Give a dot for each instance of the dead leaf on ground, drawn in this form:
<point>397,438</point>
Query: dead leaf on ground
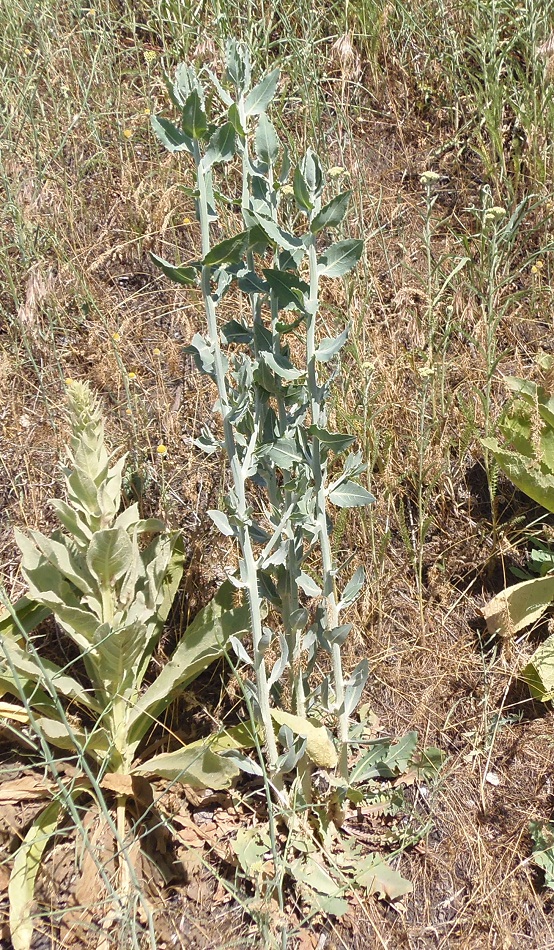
<point>307,939</point>
<point>28,788</point>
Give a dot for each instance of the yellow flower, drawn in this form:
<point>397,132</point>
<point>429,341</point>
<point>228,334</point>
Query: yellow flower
<point>147,111</point>
<point>116,337</point>
<point>128,133</point>
<point>186,221</point>
<point>132,376</point>
<point>534,269</point>
<point>162,449</point>
<point>128,412</point>
<point>150,56</point>
<point>156,351</point>
<point>69,381</point>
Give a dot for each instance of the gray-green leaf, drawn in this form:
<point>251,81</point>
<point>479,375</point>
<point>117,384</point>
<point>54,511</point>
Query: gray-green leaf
<point>181,275</point>
<point>170,136</point>
<point>332,214</point>
<point>350,495</point>
<point>261,95</point>
<point>266,141</point>
<point>340,258</point>
<point>109,556</point>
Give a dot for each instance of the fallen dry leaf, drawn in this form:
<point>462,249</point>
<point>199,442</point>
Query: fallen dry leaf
<point>117,782</point>
<point>28,788</point>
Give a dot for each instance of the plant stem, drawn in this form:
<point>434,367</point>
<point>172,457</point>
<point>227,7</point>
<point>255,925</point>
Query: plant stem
<point>238,478</point>
<point>328,570</point>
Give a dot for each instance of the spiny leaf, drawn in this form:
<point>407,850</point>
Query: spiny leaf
<point>221,147</point>
<point>181,275</point>
<point>350,495</point>
<point>266,141</point>
<point>261,95</point>
<point>329,347</point>
<point>174,139</point>
<point>525,475</point>
<point>288,289</point>
<point>195,123</point>
<point>340,258</point>
<point>332,214</point>
<point>229,251</point>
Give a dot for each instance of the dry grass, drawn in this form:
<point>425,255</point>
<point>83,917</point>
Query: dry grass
<point>88,194</point>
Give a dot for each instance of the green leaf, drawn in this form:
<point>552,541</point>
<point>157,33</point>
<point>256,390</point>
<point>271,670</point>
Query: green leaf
<point>109,556</point>
<point>287,288</point>
<point>250,846</point>
<point>204,641</point>
<point>233,116</point>
<point>280,365</point>
<point>197,766</point>
<point>221,521</point>
<point>542,833</point>
<point>187,276</point>
<point>221,147</point>
<point>235,332</point>
<point>301,191</point>
<point>350,495</point>
<point>534,396</point>
<point>195,123</point>
<point>261,95</point>
<point>332,214</point>
<point>525,474</point>
<point>519,606</point>
<point>283,452</point>
<point>308,871</point>
<point>312,173</point>
<point>97,742</point>
<point>277,235</point>
<point>266,142</point>
<point>352,590</point>
<point>30,671</point>
<point>319,745</point>
<point>21,888</point>
<point>229,251</point>
<point>25,614</point>
<point>251,283</point>
<point>539,672</point>
<point>170,136</point>
<point>172,575</point>
<point>340,258</point>
<point>237,65</point>
<point>329,347</point>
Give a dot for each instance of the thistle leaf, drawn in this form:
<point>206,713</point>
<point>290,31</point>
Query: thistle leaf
<point>340,258</point>
<point>332,214</point>
<point>261,95</point>
<point>350,495</point>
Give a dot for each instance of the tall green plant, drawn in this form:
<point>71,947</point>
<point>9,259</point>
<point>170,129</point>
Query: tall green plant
<point>273,382</point>
<point>109,578</point>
